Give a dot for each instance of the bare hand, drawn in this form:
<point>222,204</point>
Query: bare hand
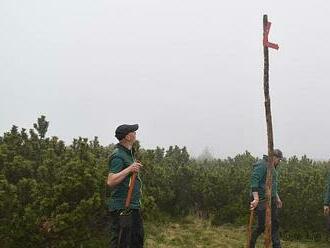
<point>254,204</point>
<point>135,167</point>
<point>279,203</point>
<point>326,210</point>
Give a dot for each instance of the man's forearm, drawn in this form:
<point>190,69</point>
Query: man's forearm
<point>255,195</point>
<point>278,197</point>
<point>116,178</point>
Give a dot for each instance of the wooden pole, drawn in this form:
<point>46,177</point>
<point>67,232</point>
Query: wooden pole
<point>130,190</point>
<point>250,228</point>
<point>270,139</point>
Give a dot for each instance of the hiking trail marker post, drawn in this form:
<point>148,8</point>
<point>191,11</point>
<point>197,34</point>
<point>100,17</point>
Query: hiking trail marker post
<point>266,45</point>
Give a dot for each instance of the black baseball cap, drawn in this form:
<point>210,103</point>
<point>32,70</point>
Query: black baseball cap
<point>125,129</point>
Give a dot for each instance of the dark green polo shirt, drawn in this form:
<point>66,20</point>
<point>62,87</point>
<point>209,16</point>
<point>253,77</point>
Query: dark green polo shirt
<point>120,159</point>
<point>258,178</point>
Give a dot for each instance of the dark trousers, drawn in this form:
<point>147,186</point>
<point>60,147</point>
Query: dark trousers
<point>261,216</point>
<point>327,222</point>
<point>132,237</point>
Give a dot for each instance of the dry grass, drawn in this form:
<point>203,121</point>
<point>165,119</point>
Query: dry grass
<point>192,232</point>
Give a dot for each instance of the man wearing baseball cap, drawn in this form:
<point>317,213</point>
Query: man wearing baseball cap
<point>121,166</point>
<point>258,203</point>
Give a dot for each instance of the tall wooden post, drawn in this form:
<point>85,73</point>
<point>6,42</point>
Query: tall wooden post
<point>266,27</point>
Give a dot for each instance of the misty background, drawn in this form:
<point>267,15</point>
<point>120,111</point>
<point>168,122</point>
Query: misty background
<point>189,72</point>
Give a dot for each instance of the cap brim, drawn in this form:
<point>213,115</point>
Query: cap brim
<point>134,127</point>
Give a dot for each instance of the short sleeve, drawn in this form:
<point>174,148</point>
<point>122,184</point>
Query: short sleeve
<point>115,165</point>
<point>257,176</point>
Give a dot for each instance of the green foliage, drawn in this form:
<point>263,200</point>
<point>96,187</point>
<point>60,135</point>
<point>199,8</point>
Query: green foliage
<point>302,184</point>
<point>53,195</point>
<point>50,194</point>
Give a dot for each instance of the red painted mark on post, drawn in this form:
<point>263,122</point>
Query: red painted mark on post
<point>266,42</point>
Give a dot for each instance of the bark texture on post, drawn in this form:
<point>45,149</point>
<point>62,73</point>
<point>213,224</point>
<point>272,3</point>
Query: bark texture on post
<point>270,141</point>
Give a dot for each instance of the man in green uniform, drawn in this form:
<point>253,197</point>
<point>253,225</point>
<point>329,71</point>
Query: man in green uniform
<point>258,203</point>
<point>121,166</point>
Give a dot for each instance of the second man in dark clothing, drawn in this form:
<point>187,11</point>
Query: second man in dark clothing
<point>258,203</point>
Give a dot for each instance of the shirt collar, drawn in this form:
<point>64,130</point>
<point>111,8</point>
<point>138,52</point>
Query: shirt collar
<point>120,146</point>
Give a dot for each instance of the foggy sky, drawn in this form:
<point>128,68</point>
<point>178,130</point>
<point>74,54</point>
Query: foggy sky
<point>189,72</point>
